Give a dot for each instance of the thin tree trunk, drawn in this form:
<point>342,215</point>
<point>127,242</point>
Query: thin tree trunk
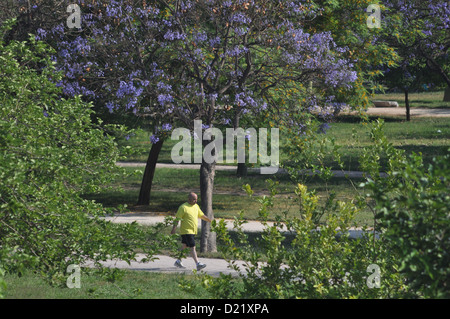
<point>241,170</point>
<point>150,167</point>
<point>241,167</point>
<point>408,109</point>
<point>447,94</point>
<point>207,174</point>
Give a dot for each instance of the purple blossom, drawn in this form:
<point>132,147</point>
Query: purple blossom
<point>163,99</point>
<point>110,106</point>
<point>171,35</point>
<point>164,87</point>
<point>154,139</point>
<point>323,128</point>
<point>214,42</point>
<point>40,34</point>
<point>240,18</point>
<point>226,121</point>
<point>200,37</point>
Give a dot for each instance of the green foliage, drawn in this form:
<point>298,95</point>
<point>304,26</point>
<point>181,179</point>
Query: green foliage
<point>298,257</point>
<point>295,258</point>
<point>413,206</point>
<point>2,283</point>
<point>50,154</point>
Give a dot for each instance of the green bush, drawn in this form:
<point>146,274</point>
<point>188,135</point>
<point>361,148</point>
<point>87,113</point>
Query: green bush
<point>414,212</point>
<point>301,258</point>
<point>50,154</point>
<point>413,208</point>
<point>296,258</point>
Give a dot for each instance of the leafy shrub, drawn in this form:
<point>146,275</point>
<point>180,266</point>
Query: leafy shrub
<point>413,207</point>
<point>50,154</point>
<point>295,258</point>
<point>300,258</point>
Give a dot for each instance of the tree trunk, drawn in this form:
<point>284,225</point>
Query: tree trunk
<point>150,167</point>
<point>241,167</point>
<point>207,174</point>
<point>408,109</point>
<point>447,94</point>
<point>241,170</point>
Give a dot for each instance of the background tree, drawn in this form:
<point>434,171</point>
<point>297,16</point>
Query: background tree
<point>419,30</point>
<point>184,60</point>
<point>348,23</point>
<point>103,61</point>
<point>230,54</point>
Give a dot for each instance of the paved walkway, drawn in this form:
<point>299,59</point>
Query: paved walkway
<point>401,111</point>
<point>336,173</point>
<point>165,264</point>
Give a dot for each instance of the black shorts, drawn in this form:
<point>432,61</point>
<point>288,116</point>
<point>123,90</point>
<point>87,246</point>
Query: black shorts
<point>188,240</point>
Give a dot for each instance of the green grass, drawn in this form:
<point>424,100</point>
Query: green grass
<point>134,285</point>
<point>171,186</point>
<point>430,136</point>
<point>419,100</point>
<point>427,135</point>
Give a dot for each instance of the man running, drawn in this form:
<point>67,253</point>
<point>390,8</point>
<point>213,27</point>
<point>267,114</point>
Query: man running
<point>189,213</point>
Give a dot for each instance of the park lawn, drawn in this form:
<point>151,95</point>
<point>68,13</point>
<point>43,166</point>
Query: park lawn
<point>133,285</point>
<point>430,136</point>
<point>419,100</point>
<point>171,186</point>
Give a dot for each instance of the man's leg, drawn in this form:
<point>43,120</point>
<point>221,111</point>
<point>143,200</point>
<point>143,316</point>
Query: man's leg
<point>178,262</point>
<point>194,255</point>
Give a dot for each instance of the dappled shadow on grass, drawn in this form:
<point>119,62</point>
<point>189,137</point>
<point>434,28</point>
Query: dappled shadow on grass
<point>159,202</point>
<point>347,118</point>
<point>428,152</point>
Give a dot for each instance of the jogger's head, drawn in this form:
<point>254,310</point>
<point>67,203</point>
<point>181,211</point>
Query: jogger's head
<point>192,198</point>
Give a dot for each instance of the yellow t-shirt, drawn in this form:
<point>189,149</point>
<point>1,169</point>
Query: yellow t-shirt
<point>189,215</point>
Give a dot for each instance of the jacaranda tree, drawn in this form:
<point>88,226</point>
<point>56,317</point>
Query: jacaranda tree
<point>419,31</point>
<point>180,61</point>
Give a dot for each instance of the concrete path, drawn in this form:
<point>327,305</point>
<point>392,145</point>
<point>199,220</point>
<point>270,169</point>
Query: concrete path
<point>165,264</point>
<point>401,111</point>
<point>336,173</point>
<point>415,112</point>
<point>152,219</point>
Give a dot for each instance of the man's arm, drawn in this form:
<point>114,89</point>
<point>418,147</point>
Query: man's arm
<point>206,219</point>
<point>175,225</point>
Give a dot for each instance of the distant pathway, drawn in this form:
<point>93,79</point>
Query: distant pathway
<point>152,218</point>
<point>401,111</point>
<point>337,173</point>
